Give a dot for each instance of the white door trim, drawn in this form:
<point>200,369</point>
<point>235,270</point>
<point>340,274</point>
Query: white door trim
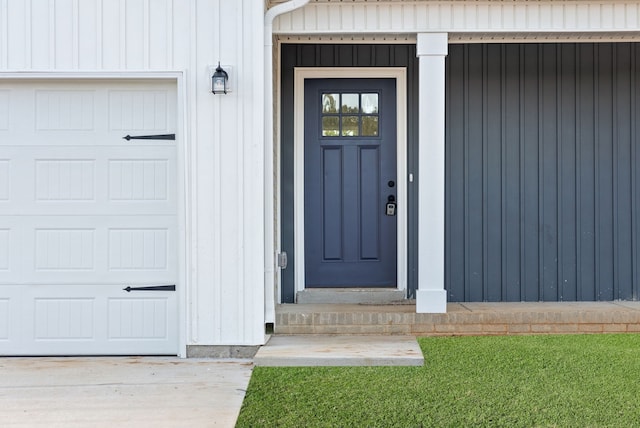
<point>182,167</point>
<point>302,73</point>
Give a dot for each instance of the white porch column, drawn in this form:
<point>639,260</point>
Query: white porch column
<point>431,295</point>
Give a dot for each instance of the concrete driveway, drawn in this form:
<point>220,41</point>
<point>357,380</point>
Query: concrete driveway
<point>121,391</point>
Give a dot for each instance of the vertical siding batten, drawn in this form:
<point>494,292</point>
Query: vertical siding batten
<point>3,34</point>
<point>99,35</point>
<point>521,181</point>
<point>616,289</point>
<point>216,165</point>
<point>578,176</point>
<point>43,38</point>
<point>122,47</point>
<point>559,176</point>
<point>194,295</point>
<point>244,151</point>
<point>447,182</point>
<point>53,54</point>
<point>466,151</point>
<point>249,147</point>
<point>75,48</point>
<point>633,111</point>
<point>485,179</point>
<point>63,28</point>
<point>146,38</point>
<point>134,34</point>
<point>28,35</point>
<point>596,170</point>
<point>169,25</point>
<point>504,278</point>
<point>541,83</point>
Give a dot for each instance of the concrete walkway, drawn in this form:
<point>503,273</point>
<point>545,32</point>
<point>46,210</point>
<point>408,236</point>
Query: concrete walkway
<point>331,350</point>
<point>121,392</point>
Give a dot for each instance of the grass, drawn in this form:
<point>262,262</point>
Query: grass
<point>505,381</point>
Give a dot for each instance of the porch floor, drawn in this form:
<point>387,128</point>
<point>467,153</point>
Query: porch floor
<point>460,319</point>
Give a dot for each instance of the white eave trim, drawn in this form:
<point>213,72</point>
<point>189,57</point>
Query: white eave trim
<point>79,74</point>
<point>466,37</point>
<point>551,37</point>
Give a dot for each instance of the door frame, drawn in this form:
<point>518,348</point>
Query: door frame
<point>400,75</point>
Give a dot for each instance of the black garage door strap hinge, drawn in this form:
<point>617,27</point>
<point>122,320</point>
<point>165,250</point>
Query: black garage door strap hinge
<point>150,137</point>
<point>153,288</point>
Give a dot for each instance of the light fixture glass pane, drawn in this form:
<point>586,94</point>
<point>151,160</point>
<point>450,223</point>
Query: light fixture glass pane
<point>330,103</point>
<point>350,103</point>
<point>370,126</point>
<point>369,103</point>
<point>330,126</point>
<point>350,126</point>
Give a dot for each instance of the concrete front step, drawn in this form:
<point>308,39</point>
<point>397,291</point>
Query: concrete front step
<point>460,319</point>
<point>332,350</point>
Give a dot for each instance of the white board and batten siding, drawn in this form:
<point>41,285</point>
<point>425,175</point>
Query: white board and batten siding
<point>84,213</point>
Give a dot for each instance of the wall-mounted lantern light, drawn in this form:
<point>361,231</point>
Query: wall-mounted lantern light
<point>220,81</point>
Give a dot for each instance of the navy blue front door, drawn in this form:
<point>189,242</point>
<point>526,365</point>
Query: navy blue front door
<point>350,182</point>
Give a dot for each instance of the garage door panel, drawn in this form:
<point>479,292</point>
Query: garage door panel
<point>13,171</point>
<point>64,318</point>
<point>12,317</point>
<point>85,214</point>
<point>88,181</point>
<point>139,179</point>
<point>136,249</point>
<point>4,110</point>
<point>63,249</point>
<point>64,180</point>
<point>140,110</point>
<point>138,319</point>
<point>5,183</point>
<point>70,320</point>
<point>48,113</point>
<point>12,241</point>
<point>5,249</point>
<point>65,110</point>
<point>5,317</point>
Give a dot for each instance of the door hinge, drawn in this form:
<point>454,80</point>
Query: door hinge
<point>281,260</point>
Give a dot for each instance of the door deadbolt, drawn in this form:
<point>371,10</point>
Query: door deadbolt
<point>390,208</point>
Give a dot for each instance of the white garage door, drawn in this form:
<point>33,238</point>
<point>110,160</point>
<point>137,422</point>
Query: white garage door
<point>85,214</point>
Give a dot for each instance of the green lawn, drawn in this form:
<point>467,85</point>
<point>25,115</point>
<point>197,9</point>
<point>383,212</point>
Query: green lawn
<point>509,381</point>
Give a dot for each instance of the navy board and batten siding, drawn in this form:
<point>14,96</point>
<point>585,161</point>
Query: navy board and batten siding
<point>541,179</point>
<point>542,183</point>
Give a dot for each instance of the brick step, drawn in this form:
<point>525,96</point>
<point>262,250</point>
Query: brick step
<point>461,319</point>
